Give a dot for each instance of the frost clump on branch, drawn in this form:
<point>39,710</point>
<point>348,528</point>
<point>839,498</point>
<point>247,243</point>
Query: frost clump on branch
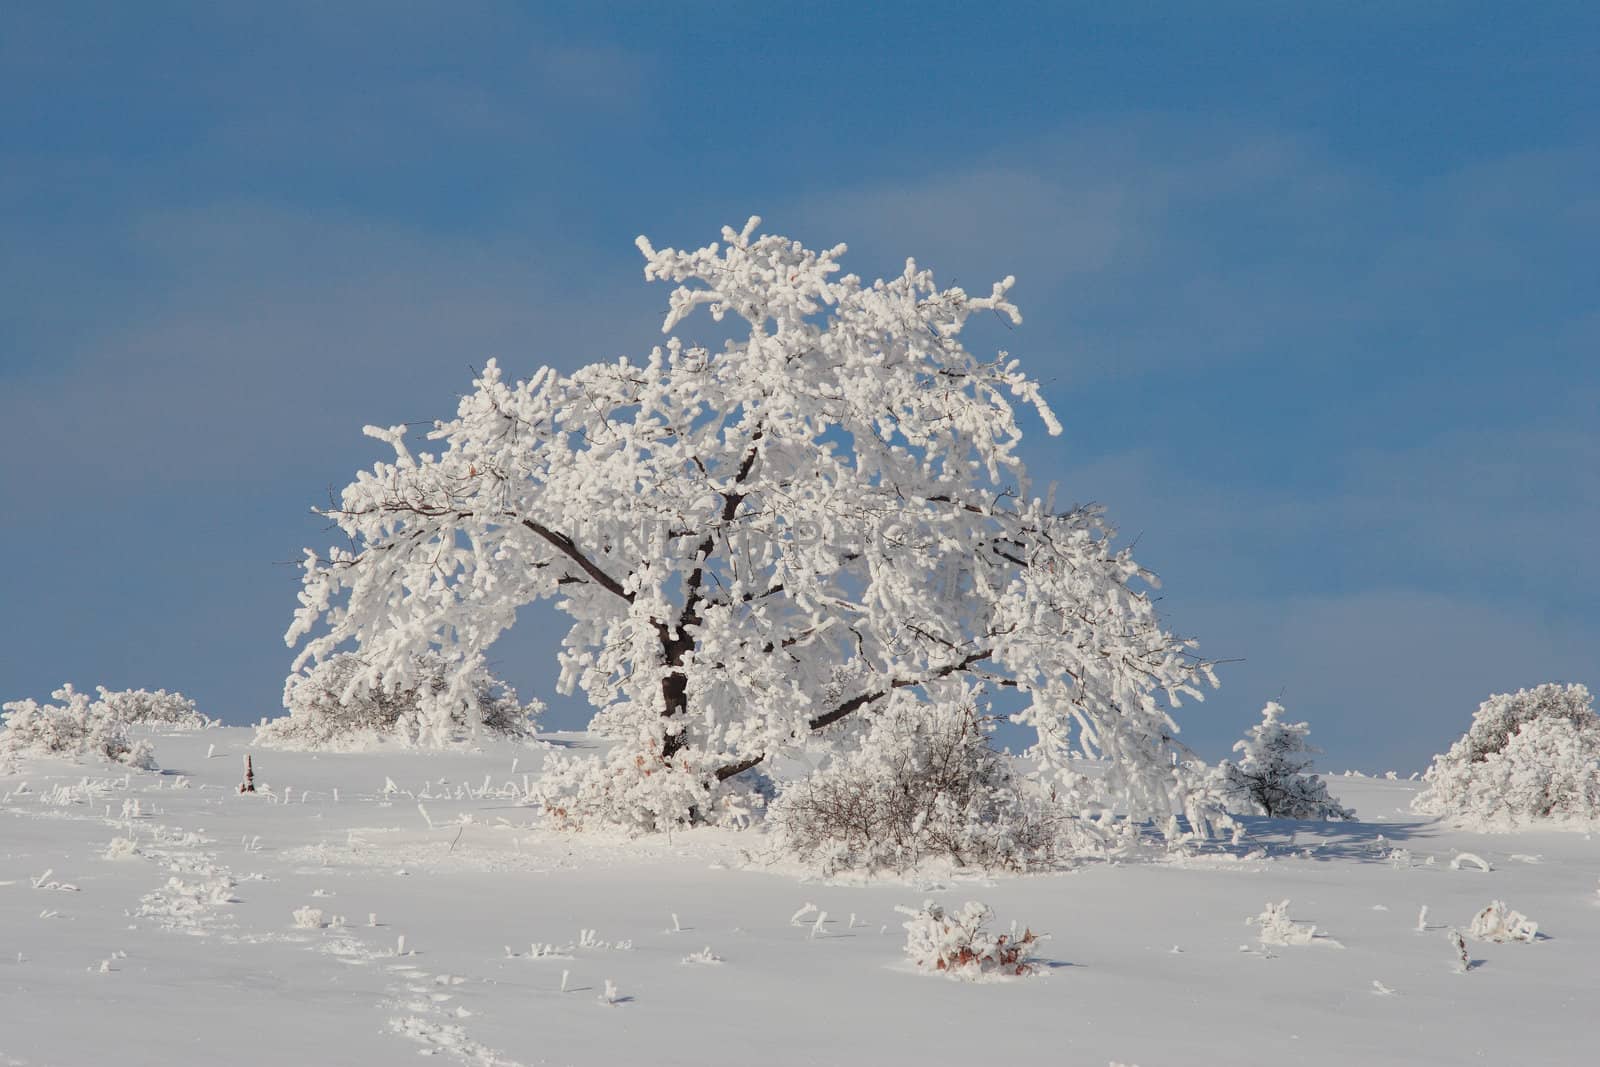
<point>757,542</point>
<point>959,945</point>
<point>346,702</point>
<point>1529,756</point>
<point>1270,778</point>
<point>923,781</point>
<point>76,726</point>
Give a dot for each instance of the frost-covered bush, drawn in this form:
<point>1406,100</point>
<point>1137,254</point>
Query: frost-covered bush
<point>922,782</point>
<point>1530,755</point>
<point>141,707</point>
<point>633,789</point>
<point>959,945</point>
<point>76,726</point>
<point>1271,776</point>
<point>1278,929</point>
<point>1498,717</point>
<point>343,702</point>
<point>1499,923</point>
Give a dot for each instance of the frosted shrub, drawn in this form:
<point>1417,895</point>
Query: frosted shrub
<point>76,726</point>
<point>922,782</point>
<point>1278,929</point>
<point>1270,778</point>
<point>1498,923</point>
<point>959,945</point>
<point>141,707</point>
<point>1531,755</point>
<point>344,702</point>
<point>635,790</point>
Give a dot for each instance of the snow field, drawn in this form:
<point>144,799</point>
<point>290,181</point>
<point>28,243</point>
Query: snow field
<point>467,930</point>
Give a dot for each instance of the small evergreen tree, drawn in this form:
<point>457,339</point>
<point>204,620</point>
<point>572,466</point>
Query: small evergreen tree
<point>1270,778</point>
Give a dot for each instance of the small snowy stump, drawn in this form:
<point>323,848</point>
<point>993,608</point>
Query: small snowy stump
<point>958,945</point>
<point>610,996</point>
<point>308,918</point>
<point>705,955</point>
<point>1498,923</point>
<point>1458,944</point>
<point>1462,859</point>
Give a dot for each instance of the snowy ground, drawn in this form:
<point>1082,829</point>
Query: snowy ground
<point>187,951</point>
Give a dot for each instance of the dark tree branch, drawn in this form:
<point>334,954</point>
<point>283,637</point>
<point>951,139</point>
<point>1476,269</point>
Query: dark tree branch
<point>856,703</point>
<point>565,544</point>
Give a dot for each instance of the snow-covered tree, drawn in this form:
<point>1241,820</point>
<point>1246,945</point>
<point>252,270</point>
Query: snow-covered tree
<point>332,704</point>
<point>755,543</point>
<point>1271,776</point>
<point>1529,755</point>
<point>75,727</point>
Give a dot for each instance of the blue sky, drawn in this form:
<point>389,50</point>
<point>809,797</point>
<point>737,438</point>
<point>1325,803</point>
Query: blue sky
<point>1313,289</point>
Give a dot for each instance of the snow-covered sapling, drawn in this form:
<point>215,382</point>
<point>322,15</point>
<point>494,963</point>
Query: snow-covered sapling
<point>249,783</point>
<point>1271,777</point>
